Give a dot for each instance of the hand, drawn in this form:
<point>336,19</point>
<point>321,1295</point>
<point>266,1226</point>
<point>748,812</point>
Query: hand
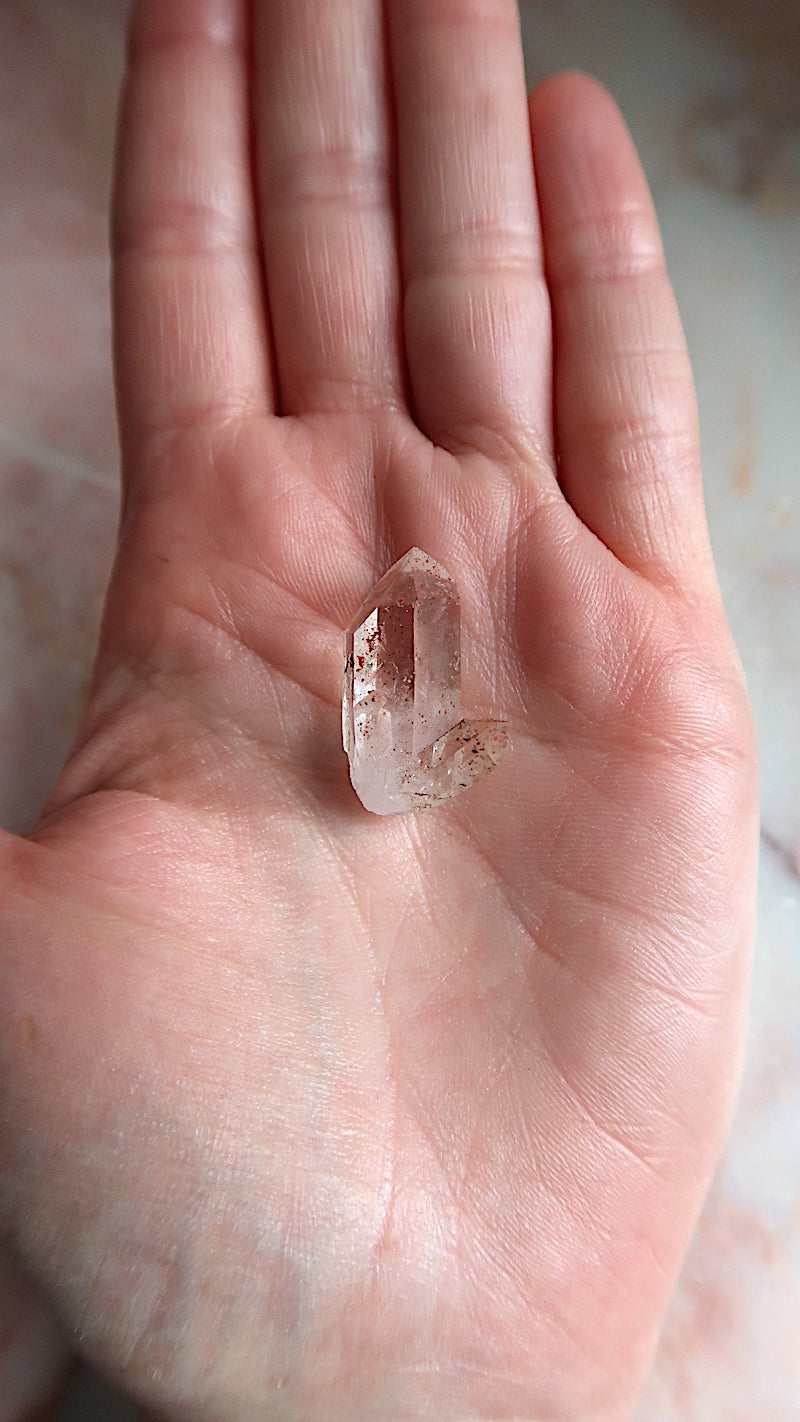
<point>305,1112</point>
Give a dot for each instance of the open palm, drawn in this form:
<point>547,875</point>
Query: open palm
<point>309,1114</point>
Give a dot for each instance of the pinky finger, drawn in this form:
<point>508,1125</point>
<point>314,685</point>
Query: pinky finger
<point>625,406</point>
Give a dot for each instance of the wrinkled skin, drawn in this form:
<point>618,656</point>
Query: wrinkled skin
<point>308,1114</point>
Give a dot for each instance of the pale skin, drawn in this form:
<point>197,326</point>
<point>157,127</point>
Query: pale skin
<point>313,1116</point>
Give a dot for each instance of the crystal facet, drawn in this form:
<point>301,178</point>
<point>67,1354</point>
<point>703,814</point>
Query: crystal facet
<point>401,711</point>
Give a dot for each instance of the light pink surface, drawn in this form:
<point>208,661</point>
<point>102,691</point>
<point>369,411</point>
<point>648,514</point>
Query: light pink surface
<point>730,207</point>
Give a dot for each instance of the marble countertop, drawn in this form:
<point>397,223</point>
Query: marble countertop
<point>710,92</point>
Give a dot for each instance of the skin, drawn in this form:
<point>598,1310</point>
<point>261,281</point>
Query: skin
<point>308,1114</point>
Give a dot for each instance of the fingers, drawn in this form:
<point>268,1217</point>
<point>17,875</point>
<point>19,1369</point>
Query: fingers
<point>476,308</point>
<point>190,328</point>
<point>625,409</point>
<point>327,218</point>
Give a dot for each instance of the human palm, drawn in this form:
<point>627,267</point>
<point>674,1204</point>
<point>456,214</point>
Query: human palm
<point>309,1113</point>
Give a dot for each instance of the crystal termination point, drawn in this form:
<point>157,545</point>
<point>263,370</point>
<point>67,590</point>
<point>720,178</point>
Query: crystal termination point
<point>402,728</point>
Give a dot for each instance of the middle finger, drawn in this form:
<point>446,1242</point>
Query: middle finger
<point>477,314</point>
<point>325,190</point>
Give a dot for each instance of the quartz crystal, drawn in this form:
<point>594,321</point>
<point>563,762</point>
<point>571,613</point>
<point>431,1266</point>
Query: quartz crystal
<point>401,712</point>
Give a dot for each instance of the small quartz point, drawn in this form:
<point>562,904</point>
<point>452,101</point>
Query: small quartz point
<point>402,729</point>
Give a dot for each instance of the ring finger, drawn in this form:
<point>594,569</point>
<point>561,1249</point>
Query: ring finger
<point>477,318</point>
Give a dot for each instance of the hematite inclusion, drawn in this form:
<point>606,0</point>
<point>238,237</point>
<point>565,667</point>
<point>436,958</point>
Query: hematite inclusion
<point>402,730</point>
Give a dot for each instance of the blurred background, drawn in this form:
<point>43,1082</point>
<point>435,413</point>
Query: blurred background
<point>711,90</point>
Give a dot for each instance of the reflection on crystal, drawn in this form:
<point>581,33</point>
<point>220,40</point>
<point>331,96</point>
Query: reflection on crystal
<point>401,712</point>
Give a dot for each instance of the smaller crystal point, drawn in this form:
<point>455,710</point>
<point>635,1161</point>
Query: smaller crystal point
<point>402,727</point>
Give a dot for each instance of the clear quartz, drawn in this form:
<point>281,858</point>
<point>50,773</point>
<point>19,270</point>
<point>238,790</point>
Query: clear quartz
<point>402,729</point>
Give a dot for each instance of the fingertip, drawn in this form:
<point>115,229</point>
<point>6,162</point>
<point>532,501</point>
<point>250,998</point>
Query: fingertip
<point>573,94</point>
<point>156,23</point>
<point>590,181</point>
<point>578,126</point>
